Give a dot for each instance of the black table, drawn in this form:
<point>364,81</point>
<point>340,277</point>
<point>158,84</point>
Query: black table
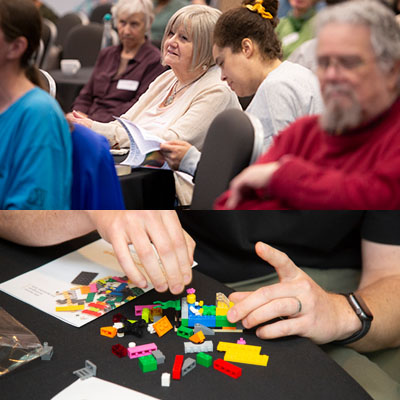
<point>297,369</point>
<point>69,86</point>
<point>146,188</point>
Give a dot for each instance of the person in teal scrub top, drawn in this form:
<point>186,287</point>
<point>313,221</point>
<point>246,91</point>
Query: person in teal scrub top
<point>35,146</point>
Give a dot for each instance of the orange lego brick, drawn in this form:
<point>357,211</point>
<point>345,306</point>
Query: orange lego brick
<point>198,337</point>
<point>162,326</point>
<point>108,331</point>
<point>85,290</point>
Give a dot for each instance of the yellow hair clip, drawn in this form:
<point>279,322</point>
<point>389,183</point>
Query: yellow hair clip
<point>259,8</point>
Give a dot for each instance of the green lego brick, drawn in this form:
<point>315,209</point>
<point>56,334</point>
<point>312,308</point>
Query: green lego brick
<point>209,310</point>
<point>184,332</point>
<point>102,298</point>
<point>184,322</point>
<point>204,359</point>
<point>222,321</point>
<point>90,297</point>
<point>148,363</point>
<point>136,291</point>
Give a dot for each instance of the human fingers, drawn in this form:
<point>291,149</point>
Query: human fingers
<point>122,228</point>
<point>236,188</point>
<point>277,308</point>
<point>281,328</point>
<point>111,225</point>
<point>165,245</point>
<point>283,265</point>
<point>235,297</point>
<point>248,303</point>
<point>183,244</point>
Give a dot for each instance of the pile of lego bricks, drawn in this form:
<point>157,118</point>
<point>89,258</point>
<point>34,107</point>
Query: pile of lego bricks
<point>192,320</point>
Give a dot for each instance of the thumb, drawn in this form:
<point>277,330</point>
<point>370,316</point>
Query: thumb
<point>283,265</point>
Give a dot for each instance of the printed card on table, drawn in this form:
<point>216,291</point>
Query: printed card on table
<point>78,287</point>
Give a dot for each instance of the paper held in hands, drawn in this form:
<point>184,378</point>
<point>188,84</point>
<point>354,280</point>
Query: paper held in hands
<point>144,147</point>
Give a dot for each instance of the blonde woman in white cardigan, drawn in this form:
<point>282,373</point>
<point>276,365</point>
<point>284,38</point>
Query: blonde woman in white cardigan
<point>182,102</point>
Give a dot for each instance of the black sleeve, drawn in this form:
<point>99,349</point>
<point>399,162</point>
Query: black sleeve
<point>381,227</point>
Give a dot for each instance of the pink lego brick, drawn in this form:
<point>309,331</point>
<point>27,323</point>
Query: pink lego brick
<point>119,279</point>
<point>138,309</point>
<point>143,350</point>
<point>93,288</point>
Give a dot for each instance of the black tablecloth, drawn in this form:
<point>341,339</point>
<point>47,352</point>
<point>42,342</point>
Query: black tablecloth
<point>151,189</point>
<point>297,369</point>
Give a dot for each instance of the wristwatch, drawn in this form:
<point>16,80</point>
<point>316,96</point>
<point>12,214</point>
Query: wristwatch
<point>363,313</point>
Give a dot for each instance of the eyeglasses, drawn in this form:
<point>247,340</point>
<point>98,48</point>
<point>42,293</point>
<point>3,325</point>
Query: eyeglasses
<point>347,63</point>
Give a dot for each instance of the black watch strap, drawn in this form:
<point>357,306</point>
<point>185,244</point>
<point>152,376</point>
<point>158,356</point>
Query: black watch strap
<point>363,313</point>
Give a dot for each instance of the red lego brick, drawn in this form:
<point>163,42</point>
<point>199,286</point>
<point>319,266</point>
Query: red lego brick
<point>177,368</point>
<point>227,368</point>
<point>119,350</point>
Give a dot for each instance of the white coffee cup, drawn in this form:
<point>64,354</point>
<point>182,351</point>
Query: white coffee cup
<point>70,67</point>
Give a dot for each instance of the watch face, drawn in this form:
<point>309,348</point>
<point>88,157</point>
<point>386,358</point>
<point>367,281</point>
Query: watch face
<point>360,307</point>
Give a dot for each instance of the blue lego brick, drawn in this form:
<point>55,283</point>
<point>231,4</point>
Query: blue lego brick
<point>204,320</point>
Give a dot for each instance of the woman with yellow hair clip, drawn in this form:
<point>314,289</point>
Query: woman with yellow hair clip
<point>248,52</point>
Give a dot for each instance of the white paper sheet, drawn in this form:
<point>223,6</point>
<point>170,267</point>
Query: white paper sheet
<point>95,388</point>
<point>39,287</point>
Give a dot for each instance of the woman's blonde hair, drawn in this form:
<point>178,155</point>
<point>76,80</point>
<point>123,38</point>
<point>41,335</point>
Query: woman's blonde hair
<point>198,22</point>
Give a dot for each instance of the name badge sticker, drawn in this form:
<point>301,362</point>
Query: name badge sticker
<point>127,84</point>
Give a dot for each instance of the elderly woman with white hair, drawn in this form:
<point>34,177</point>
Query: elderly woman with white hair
<point>124,72</point>
<point>182,102</point>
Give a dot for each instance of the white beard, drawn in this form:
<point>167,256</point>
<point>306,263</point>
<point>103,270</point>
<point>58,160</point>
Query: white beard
<point>335,119</point>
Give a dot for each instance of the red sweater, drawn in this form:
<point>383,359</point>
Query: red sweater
<point>358,170</point>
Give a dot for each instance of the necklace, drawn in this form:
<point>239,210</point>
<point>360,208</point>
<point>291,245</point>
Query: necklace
<point>170,99</point>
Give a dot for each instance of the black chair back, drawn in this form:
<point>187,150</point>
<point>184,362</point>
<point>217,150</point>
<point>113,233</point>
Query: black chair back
<point>83,43</point>
<point>227,150</point>
<point>64,26</point>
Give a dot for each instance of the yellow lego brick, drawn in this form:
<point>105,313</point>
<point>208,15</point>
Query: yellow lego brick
<point>225,346</point>
<point>70,308</point>
<point>246,358</point>
<point>221,311</point>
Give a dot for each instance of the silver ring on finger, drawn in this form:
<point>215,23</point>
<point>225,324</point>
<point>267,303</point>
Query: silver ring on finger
<point>300,307</point>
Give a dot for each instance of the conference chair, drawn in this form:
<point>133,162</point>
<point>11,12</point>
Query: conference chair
<point>66,23</point>
<point>83,42</point>
<point>99,12</point>
<point>39,53</point>
<point>233,142</point>
<point>48,82</point>
<point>49,36</point>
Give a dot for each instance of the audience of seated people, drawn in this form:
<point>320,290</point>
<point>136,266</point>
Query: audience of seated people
<point>297,27</point>
<point>122,73</point>
<point>331,160</point>
<point>248,52</point>
<point>349,156</point>
<point>36,149</point>
<point>182,102</point>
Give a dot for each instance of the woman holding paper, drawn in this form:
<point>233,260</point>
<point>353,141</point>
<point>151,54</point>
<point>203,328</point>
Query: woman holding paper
<point>182,102</point>
<point>124,72</point>
<point>36,149</point>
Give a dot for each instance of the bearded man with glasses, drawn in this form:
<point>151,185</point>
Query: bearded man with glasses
<point>349,156</point>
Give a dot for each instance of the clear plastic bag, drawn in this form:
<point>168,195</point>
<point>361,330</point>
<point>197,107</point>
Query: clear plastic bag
<point>18,345</point>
